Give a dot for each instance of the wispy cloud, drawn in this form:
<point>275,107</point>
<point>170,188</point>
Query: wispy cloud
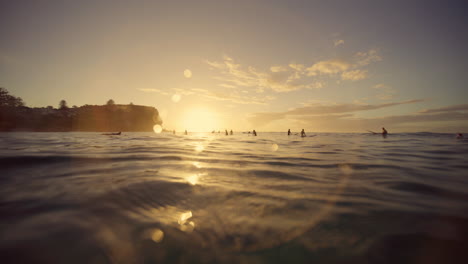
<point>368,57</point>
<point>354,75</point>
<point>293,76</point>
<point>338,42</point>
<point>342,110</point>
<point>152,90</point>
<point>331,67</point>
<point>385,92</point>
<point>453,108</point>
<point>278,78</point>
<point>278,68</point>
<point>349,123</point>
<point>232,97</point>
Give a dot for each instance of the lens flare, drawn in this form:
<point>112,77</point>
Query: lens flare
<point>157,129</point>
<point>176,98</point>
<point>157,235</point>
<point>274,147</point>
<point>188,73</point>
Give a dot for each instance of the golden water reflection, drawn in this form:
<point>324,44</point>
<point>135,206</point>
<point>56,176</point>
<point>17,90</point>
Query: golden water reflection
<point>196,164</point>
<point>199,147</point>
<point>184,223</point>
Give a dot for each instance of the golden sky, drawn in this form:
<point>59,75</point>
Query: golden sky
<point>345,66</point>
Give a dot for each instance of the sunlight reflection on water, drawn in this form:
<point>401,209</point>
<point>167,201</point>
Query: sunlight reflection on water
<point>185,225</point>
<point>246,195</point>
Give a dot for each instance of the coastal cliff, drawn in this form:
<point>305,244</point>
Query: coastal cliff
<point>14,116</point>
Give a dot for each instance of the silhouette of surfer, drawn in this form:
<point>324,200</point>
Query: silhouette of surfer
<point>231,133</point>
<point>254,132</point>
<point>226,132</point>
<point>186,132</point>
<point>303,133</point>
<point>113,134</point>
<point>459,136</point>
<point>289,132</point>
<point>384,131</point>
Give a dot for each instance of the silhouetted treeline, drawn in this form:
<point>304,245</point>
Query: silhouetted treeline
<point>14,116</point>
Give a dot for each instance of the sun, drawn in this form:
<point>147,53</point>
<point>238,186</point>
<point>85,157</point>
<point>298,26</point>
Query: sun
<point>200,120</point>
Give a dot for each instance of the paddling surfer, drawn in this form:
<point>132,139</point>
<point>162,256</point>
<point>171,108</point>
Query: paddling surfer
<point>113,134</point>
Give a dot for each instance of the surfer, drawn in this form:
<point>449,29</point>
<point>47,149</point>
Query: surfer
<point>226,132</point>
<point>113,134</point>
<point>459,136</point>
<point>384,131</point>
<point>289,132</point>
<point>254,132</point>
<point>186,132</point>
<point>173,132</point>
<point>231,133</point>
<point>303,133</point>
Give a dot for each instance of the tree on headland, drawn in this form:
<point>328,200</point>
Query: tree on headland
<point>63,105</point>
<point>110,102</point>
<point>8,100</point>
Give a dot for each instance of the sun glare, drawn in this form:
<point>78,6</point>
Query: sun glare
<point>200,120</point>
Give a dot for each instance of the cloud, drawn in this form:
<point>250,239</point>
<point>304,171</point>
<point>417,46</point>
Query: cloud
<point>231,97</point>
<point>278,78</point>
<point>453,108</point>
<point>367,57</point>
<point>278,68</point>
<point>319,109</point>
<point>151,90</point>
<point>347,123</point>
<point>340,117</point>
<point>333,66</point>
<point>293,76</point>
<point>297,67</point>
<point>385,92</point>
<point>354,75</point>
<point>226,85</point>
<point>338,42</point>
<point>343,110</point>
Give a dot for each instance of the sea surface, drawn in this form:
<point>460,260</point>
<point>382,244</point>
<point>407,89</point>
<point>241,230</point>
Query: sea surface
<point>211,198</point>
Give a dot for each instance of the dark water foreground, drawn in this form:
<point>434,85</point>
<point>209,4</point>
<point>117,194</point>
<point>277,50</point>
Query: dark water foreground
<point>156,198</point>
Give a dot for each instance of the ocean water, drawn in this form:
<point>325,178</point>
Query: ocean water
<point>211,198</point>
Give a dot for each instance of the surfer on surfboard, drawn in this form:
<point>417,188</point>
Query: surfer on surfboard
<point>113,134</point>
<point>384,132</point>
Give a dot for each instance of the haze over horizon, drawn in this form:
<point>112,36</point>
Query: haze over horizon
<point>334,66</point>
